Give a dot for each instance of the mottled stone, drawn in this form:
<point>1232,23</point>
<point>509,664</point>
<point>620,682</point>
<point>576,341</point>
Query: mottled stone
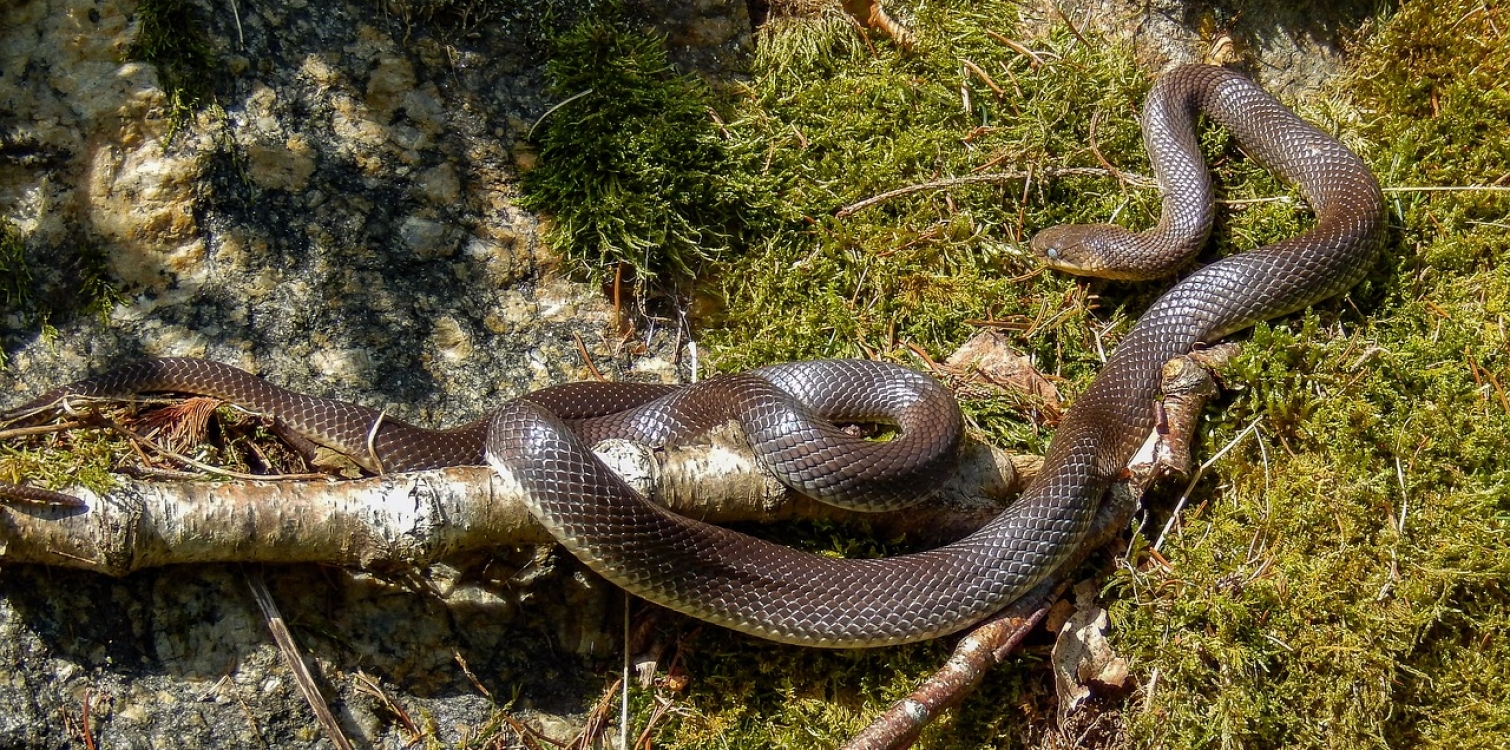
<point>428,239</point>
<point>440,184</point>
<point>1285,46</point>
<point>286,166</point>
<point>343,221</point>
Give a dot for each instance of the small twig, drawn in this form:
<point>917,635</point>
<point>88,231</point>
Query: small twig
<point>240,37</point>
<point>366,684</point>
<point>596,719</point>
<point>1096,150</point>
<point>1018,48</point>
<point>662,707</point>
<point>1404,496</point>
<point>981,74</point>
<point>624,680</point>
<point>1068,23</point>
<point>1196,477</point>
<point>860,29</point>
<point>84,720</point>
<point>528,734</point>
<point>467,670</point>
<point>984,179</point>
<point>587,358</point>
<point>530,136</point>
<point>295,660</point>
<point>43,429</point>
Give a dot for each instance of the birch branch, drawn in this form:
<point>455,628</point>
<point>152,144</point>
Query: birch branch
<point>417,518</point>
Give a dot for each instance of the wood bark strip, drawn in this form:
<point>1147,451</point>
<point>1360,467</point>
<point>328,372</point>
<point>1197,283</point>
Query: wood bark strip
<point>417,518</point>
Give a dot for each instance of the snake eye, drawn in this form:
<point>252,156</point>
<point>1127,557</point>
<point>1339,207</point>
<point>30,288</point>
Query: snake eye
<point>1052,253</point>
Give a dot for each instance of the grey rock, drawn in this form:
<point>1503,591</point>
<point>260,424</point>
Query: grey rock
<point>344,222</point>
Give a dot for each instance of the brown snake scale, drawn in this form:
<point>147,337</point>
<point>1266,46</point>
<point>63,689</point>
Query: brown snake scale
<point>778,593</point>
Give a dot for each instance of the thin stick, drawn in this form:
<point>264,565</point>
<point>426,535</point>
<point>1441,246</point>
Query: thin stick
<point>42,429</point>
<point>295,660</point>
<point>980,179</point>
<point>240,37</point>
<point>981,74</point>
<point>1018,48</point>
<point>587,358</point>
<point>568,100</point>
<point>624,680</point>
<point>1196,477</point>
<point>1404,496</point>
<point>1069,23</point>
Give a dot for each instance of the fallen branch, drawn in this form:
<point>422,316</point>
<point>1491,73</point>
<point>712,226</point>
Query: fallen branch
<point>416,518</point>
<point>989,644</point>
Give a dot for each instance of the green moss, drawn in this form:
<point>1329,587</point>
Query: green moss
<point>535,21</point>
<point>91,284</point>
<point>1346,583</point>
<point>97,285</point>
<point>1338,579</point>
<point>921,269</point>
<point>634,170</point>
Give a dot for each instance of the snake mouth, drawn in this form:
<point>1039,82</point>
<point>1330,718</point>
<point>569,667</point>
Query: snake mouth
<point>1074,249</point>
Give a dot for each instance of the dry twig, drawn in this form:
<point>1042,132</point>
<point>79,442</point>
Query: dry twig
<point>295,661</point>
<point>987,179</point>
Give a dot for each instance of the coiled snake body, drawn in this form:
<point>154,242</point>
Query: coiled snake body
<point>785,595</point>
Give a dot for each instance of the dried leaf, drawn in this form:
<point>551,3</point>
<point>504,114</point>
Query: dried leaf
<point>1084,662</point>
<point>987,359</point>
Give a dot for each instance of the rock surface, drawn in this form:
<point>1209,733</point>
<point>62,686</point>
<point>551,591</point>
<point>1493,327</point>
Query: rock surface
<point>1286,46</point>
<point>344,222</point>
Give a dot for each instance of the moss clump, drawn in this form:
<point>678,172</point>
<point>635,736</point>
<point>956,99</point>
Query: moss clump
<point>633,168</point>
<point>831,129</point>
<point>1339,579</point>
<point>97,286</point>
<point>535,21</point>
<point>89,281</point>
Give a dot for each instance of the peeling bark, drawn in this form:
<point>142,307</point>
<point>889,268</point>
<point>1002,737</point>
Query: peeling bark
<point>416,518</point>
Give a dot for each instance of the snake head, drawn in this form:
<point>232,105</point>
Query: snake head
<point>1100,250</point>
